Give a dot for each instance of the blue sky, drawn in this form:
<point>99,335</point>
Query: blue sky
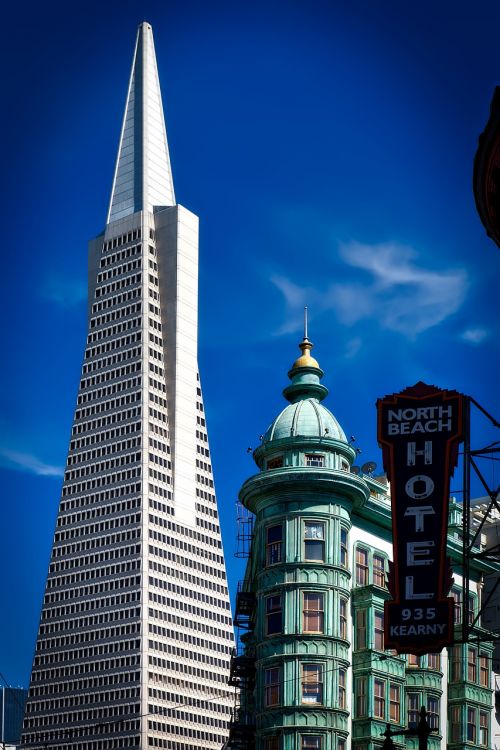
<point>327,148</point>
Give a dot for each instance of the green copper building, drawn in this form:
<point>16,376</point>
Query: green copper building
<point>312,670</point>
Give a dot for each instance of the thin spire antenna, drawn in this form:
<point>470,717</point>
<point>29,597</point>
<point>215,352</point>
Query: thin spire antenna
<point>305,323</point>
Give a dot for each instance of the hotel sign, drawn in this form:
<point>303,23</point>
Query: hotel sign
<point>419,430</point>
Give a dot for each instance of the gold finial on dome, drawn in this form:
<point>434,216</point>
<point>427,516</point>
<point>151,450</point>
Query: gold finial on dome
<point>305,360</point>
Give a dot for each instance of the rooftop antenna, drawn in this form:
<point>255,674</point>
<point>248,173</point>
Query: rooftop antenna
<point>305,324</point>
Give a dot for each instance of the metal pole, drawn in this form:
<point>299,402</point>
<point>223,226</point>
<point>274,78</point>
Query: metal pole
<point>423,730</point>
<point>466,522</point>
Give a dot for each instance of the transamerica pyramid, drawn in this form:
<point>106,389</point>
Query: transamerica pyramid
<point>135,633</point>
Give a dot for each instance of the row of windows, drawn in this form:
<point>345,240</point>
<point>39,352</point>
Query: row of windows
<point>192,534</point>
<point>159,371</point>
<point>158,662</point>
<point>159,430</point>
<point>98,588</point>
<point>191,562</point>
<point>313,614</point>
<point>155,340</point>
<point>185,546</point>
<point>108,260</point>
<point>209,706</point>
<point>313,543</point>
<point>97,528</point>
<point>189,654</point>
<point>87,684</point>
<point>114,743</point>
<point>115,359</point>
<point>207,510</point>
<point>98,511</point>
<point>110,375</point>
<point>466,723</point>
<point>204,480</point>
<point>89,667</point>
<point>312,685</point>
<point>100,437</point>
<point>81,716</point>
<point>109,390</point>
<point>205,495</point>
<point>189,593</point>
<point>196,734</point>
<point>116,301</point>
<point>165,601</point>
<point>105,450</point>
<point>93,574</point>
<point>120,312</point>
<point>208,721</point>
<point>370,566</point>
<point>115,286</point>
<point>193,624</point>
<point>313,460</point>
<point>155,310</point>
<point>74,701</point>
<point>102,481</point>
<point>112,405</point>
<point>108,465</point>
<point>203,465</point>
<point>117,271</point>
<point>54,613</point>
<point>159,415</point>
<point>185,576</point>
<point>473,668</point>
<point>101,497</point>
<point>157,384</point>
<point>161,507</point>
<point>158,445</point>
<point>204,524</point>
<point>115,615</point>
<point>470,724</point>
<point>457,595</point>
<point>116,343</point>
<point>162,492</point>
<point>194,640</point>
<point>160,460</point>
<point>156,354</point>
<point>386,699</point>
<point>113,418</point>
<point>160,477</point>
<point>95,543</point>
<point>306,742</point>
<point>122,239</point>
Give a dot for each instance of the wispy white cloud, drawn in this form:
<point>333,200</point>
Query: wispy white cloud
<point>389,287</point>
<point>474,335</point>
<point>64,292</point>
<point>296,299</point>
<point>353,346</point>
<point>27,462</point>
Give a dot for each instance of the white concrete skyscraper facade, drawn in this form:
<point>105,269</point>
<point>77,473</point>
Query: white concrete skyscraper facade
<point>135,633</point>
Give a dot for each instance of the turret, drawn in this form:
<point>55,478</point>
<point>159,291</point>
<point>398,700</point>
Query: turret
<point>298,572</point>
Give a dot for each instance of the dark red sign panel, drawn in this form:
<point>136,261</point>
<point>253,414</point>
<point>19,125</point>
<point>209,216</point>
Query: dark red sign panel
<point>419,430</point>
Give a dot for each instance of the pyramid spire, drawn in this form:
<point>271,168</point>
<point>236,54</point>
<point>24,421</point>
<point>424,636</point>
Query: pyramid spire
<point>135,636</point>
<point>143,176</point>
